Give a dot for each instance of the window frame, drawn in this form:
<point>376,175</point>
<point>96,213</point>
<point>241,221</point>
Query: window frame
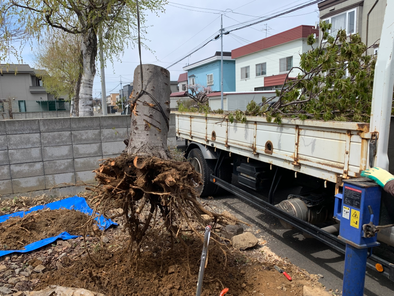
<point>287,68</point>
<point>23,102</point>
<point>209,82</point>
<point>247,73</point>
<point>346,21</point>
<point>192,79</point>
<point>265,69</point>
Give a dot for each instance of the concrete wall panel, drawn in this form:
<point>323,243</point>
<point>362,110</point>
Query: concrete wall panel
<point>23,141</point>
<point>3,142</point>
<point>24,170</point>
<point>110,122</point>
<point>59,166</point>
<point>112,135</point>
<point>36,155</point>
<point>6,187</point>
<point>85,150</point>
<point>25,155</point>
<point>113,148</point>
<point>87,164</point>
<point>86,136</point>
<point>28,184</point>
<point>57,152</point>
<point>85,123</point>
<point>2,128</point>
<point>22,126</point>
<point>86,177</point>
<point>56,138</point>
<point>66,179</point>
<point>4,157</point>
<point>5,172</point>
<point>55,124</point>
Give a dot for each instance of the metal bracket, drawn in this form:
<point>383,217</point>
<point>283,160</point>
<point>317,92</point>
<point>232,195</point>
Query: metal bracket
<point>372,148</point>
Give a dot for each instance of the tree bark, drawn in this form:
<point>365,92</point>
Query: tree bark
<point>89,52</point>
<point>150,113</point>
<point>75,100</point>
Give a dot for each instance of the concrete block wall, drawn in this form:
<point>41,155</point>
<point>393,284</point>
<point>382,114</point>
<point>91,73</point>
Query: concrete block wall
<point>40,154</point>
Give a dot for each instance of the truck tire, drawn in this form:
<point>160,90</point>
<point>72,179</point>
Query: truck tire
<point>197,160</point>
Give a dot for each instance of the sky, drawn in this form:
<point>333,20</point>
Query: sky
<point>185,25</point>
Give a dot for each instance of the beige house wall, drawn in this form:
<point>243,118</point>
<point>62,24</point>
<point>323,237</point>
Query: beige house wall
<point>330,8</point>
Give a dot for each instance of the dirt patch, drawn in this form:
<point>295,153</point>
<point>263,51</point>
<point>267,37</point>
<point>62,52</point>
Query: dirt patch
<point>169,271</point>
<point>16,232</point>
<point>165,267</point>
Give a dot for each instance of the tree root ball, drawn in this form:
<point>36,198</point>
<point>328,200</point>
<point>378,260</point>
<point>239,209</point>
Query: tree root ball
<point>158,186</point>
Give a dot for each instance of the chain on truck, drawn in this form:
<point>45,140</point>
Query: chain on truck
<point>253,159</point>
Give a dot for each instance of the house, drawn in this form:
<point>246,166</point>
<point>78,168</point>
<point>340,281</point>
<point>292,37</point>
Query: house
<point>182,82</point>
<point>364,17</point>
<point>22,89</point>
<point>264,64</point>
<point>111,102</point>
<point>181,93</point>
<point>207,73</point>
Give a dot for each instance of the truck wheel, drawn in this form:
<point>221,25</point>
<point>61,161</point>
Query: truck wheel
<point>197,160</point>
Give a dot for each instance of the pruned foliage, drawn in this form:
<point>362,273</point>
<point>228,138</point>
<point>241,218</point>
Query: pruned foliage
<point>335,82</point>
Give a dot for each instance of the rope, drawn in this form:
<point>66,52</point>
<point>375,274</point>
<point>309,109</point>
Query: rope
<point>142,78</point>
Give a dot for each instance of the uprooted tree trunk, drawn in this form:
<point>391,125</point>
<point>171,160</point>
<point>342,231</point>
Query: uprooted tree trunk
<point>144,181</point>
<point>150,112</point>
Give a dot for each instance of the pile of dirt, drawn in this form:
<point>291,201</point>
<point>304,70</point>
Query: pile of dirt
<point>16,232</point>
<point>166,270</point>
<point>167,265</point>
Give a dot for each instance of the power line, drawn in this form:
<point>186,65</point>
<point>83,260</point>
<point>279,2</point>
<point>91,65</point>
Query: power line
<point>276,15</point>
<point>190,9</point>
<point>263,19</point>
<point>193,36</point>
<point>189,6</point>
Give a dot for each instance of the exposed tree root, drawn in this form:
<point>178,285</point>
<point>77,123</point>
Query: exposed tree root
<point>166,187</point>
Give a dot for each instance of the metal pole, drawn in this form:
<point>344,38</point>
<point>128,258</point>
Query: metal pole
<point>103,91</point>
<point>204,256</point>
<point>354,274</point>
<point>121,90</point>
<point>221,62</point>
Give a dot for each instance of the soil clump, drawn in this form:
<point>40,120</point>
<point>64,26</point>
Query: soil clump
<point>16,232</point>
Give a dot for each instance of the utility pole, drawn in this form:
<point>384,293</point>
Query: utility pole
<point>121,96</point>
<point>221,62</point>
<point>103,91</point>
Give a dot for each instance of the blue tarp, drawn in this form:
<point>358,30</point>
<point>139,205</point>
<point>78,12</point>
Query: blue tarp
<point>71,203</point>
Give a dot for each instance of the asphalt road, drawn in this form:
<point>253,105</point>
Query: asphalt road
<point>307,253</point>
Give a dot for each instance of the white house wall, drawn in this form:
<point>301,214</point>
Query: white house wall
<point>270,56</point>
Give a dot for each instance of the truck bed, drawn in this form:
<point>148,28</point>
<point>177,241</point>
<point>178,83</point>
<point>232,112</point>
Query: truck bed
<point>329,150</point>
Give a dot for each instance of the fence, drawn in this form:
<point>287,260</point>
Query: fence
<point>42,154</point>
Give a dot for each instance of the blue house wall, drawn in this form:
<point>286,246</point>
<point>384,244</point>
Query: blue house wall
<point>200,74</point>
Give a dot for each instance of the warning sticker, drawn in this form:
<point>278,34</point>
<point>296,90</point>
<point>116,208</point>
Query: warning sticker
<point>355,219</point>
<point>346,213</point>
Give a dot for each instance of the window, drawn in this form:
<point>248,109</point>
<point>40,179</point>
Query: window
<point>261,69</point>
<point>245,72</point>
<point>1,107</point>
<point>22,106</point>
<point>192,81</point>
<point>184,87</point>
<point>209,79</point>
<point>285,64</point>
<point>345,21</point>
